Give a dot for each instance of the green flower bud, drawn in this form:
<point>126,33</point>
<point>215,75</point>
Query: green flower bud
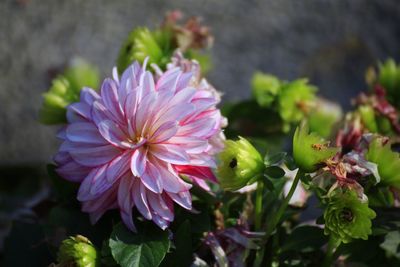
<point>239,164</point>
<point>54,102</point>
<point>368,119</point>
<point>265,88</point>
<point>296,100</point>
<point>310,149</point>
<point>388,162</point>
<point>347,217</point>
<point>142,43</point>
<point>323,117</point>
<point>389,78</point>
<point>65,89</point>
<point>77,251</point>
<point>81,74</point>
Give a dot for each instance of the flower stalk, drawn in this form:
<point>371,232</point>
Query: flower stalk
<point>258,205</point>
<point>277,217</point>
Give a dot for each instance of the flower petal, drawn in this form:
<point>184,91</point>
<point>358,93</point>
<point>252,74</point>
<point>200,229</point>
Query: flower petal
<point>138,161</point>
<point>170,153</point>
<point>84,132</point>
<point>113,134</point>
<point>140,197</point>
<point>118,166</point>
<point>151,178</point>
<point>125,201</point>
<point>95,155</point>
<point>184,199</point>
<point>164,132</point>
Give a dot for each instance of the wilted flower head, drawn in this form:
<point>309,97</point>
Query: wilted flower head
<point>229,245</point>
<point>239,164</point>
<point>130,145</point>
<point>347,216</point>
<point>77,251</point>
<point>310,149</point>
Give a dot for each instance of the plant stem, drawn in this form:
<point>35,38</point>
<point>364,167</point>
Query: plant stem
<point>332,244</point>
<point>275,219</point>
<point>258,205</point>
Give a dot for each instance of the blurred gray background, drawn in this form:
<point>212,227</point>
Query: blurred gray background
<point>331,42</point>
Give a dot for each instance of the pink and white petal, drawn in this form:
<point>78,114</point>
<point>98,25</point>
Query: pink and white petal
<point>62,133</point>
<point>79,112</point>
<point>100,113</point>
<point>152,179</point>
<point>130,79</point>
<point>113,134</point>
<point>169,80</point>
<point>88,95</point>
<point>170,153</point>
<point>84,132</point>
<point>84,192</point>
<point>118,166</point>
<point>125,202</point>
<point>147,81</point>
<point>201,105</point>
<point>192,145</point>
<point>184,199</point>
<point>200,183</point>
<point>184,80</point>
<point>139,161</point>
<point>97,207</point>
<point>115,75</point>
<point>159,207</point>
<point>95,155</point>
<point>139,195</point>
<point>176,113</point>
<point>130,105</point>
<point>110,98</point>
<point>200,172</point>
<point>164,132</point>
<point>100,182</point>
<point>72,171</point>
<point>204,127</point>
<point>161,222</point>
<point>202,159</point>
<point>171,181</point>
<point>62,158</point>
<point>183,96</point>
<point>144,110</point>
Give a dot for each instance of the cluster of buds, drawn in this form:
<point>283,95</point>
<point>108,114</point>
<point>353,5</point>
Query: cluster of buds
<point>159,45</point>
<point>295,101</point>
<point>65,89</point>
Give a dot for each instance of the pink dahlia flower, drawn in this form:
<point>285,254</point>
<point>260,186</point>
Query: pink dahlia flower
<point>130,144</point>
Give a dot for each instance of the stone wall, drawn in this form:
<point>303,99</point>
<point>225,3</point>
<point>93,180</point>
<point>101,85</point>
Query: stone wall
<point>332,42</point>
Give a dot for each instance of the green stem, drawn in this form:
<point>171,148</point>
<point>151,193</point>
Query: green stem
<point>275,219</point>
<point>332,244</point>
<point>258,205</point>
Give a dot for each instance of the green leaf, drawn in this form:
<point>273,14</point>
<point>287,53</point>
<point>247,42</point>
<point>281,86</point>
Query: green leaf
<point>275,159</point>
<point>267,182</point>
<point>146,248</point>
<point>274,172</point>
